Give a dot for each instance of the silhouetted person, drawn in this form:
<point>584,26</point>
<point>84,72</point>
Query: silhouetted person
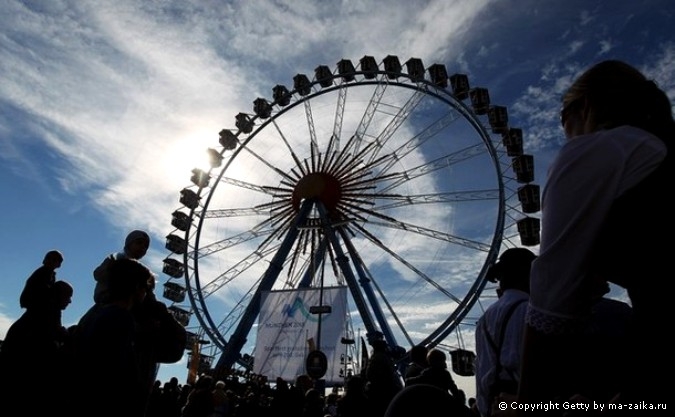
<point>302,383</point>
<point>610,333</point>
<point>499,332</point>
<point>136,246</point>
<point>107,367</point>
<point>200,400</point>
<point>36,291</point>
<point>383,380</point>
<point>154,401</point>
<point>418,362</point>
<point>282,403</point>
<point>437,374</point>
<point>171,402</point>
<point>33,351</point>
<point>314,404</point>
<point>221,401</point>
<point>425,400</point>
<point>354,402</point>
<point>604,207</point>
<point>160,337</point>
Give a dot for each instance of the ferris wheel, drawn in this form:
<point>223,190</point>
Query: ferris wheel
<point>399,182</point>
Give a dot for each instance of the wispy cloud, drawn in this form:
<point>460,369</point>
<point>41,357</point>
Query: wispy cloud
<point>143,89</point>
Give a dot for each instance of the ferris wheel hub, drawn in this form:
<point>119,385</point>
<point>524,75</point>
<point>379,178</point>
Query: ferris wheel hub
<point>318,186</point>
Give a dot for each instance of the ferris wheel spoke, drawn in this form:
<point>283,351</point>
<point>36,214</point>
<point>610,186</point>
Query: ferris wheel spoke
<point>407,264</point>
<point>432,166</point>
<point>423,231</point>
<point>231,241</point>
<point>341,157</point>
<point>350,167</point>
<point>314,145</point>
<point>417,141</point>
<point>368,114</point>
<point>334,143</point>
<point>269,211</point>
<point>236,270</point>
<point>211,287</point>
<point>385,299</point>
<point>261,210</point>
<point>269,165</point>
<point>302,274</point>
<point>332,155</point>
<point>454,196</point>
<point>205,317</point>
<point>231,319</point>
<point>290,149</point>
<point>393,313</point>
<point>249,186</point>
<point>207,325</point>
<point>396,121</point>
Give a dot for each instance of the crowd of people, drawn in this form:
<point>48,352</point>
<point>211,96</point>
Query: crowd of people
<point>109,359</point>
<point>377,391</point>
<point>107,362</point>
<point>553,335</point>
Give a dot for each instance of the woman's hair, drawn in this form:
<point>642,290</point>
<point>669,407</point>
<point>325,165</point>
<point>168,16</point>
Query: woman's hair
<point>618,94</point>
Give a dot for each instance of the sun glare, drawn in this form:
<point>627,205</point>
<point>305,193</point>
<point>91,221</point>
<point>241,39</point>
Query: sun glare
<point>186,154</point>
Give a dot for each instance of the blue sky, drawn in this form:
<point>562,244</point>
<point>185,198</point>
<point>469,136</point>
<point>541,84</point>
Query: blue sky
<point>105,107</point>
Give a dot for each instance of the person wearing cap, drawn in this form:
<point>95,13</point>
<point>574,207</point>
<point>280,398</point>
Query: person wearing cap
<point>499,332</point>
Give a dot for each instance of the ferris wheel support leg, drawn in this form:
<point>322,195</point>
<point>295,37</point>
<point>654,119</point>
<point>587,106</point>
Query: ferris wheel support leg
<point>232,350</point>
<point>343,263</point>
<point>364,280</point>
<point>316,261</point>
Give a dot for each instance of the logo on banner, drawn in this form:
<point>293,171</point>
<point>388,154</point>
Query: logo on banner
<point>298,305</point>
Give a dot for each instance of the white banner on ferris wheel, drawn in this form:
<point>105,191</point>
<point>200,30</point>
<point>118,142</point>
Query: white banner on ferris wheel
<point>287,331</point>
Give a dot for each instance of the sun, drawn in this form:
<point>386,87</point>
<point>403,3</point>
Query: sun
<point>186,153</point>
